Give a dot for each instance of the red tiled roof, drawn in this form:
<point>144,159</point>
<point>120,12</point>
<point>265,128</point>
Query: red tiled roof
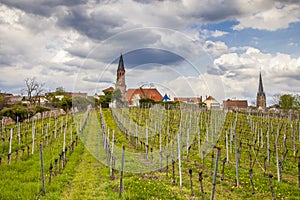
<point>151,93</point>
<point>235,103</point>
<point>188,99</point>
<point>210,98</point>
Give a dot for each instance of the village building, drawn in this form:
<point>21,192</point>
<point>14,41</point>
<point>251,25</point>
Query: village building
<point>211,103</point>
<point>68,94</point>
<point>230,104</point>
<point>188,100</point>
<point>11,100</point>
<point>134,95</point>
<point>77,94</point>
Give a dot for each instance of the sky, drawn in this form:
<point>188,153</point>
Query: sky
<point>183,47</point>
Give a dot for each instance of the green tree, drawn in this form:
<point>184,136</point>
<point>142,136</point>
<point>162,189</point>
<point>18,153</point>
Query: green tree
<point>65,103</point>
<point>288,101</point>
<point>1,101</point>
<point>106,99</point>
<point>1,98</point>
<point>116,95</point>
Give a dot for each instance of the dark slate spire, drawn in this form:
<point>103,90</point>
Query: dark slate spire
<point>260,86</point>
<point>121,63</point>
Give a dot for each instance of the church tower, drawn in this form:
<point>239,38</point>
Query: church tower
<point>120,83</point>
<point>261,96</point>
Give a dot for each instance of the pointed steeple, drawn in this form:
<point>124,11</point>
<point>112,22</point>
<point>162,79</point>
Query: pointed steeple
<point>261,96</point>
<point>121,63</point>
<point>260,86</point>
<point>120,83</point>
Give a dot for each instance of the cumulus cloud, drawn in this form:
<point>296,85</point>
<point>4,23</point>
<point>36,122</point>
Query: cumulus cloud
<point>57,38</point>
<point>239,71</point>
<point>215,48</point>
<point>277,16</point>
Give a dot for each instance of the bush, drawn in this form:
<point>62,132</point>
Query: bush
<point>16,111</point>
<point>40,109</point>
<point>146,103</point>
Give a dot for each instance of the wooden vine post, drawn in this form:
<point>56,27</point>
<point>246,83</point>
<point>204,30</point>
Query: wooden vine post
<point>226,144</point>
<point>191,181</point>
<point>10,145</point>
<point>111,155</point>
<point>277,159</point>
<point>147,141</point>
<point>236,160</point>
<point>223,168</point>
<point>55,127</point>
<point>160,151</point>
<point>63,149</point>
<point>179,160</point>
<point>19,131</point>
<point>42,169</point>
<point>215,174</point>
<point>201,185</point>
<point>271,186</point>
<point>33,136</point>
<point>173,171</point>
<point>299,172</point>
<point>122,172</point>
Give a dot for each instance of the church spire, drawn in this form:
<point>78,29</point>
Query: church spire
<point>260,86</point>
<point>120,83</point>
<point>121,63</point>
<point>261,96</point>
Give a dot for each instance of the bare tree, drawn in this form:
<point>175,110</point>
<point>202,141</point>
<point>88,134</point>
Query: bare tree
<point>38,92</point>
<point>33,89</point>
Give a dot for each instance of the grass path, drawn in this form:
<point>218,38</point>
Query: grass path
<point>91,179</point>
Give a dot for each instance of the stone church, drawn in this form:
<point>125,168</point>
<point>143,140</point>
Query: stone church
<point>132,96</point>
<point>261,96</point>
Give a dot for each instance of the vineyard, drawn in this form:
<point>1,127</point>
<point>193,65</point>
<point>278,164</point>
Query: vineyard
<point>162,152</point>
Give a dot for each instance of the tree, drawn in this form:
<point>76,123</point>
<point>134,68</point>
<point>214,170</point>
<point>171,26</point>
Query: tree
<point>1,101</point>
<point>288,101</point>
<point>33,89</point>
<point>106,99</point>
<point>116,95</point>
<point>65,103</point>
<point>38,92</point>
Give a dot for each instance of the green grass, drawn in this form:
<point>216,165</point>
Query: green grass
<point>85,177</point>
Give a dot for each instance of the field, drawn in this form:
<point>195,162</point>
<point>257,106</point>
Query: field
<point>152,153</point>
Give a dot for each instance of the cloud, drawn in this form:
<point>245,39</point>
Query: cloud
<point>41,8</point>
<point>150,55</point>
<point>278,15</point>
<point>215,48</point>
<point>239,72</point>
<point>75,41</point>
